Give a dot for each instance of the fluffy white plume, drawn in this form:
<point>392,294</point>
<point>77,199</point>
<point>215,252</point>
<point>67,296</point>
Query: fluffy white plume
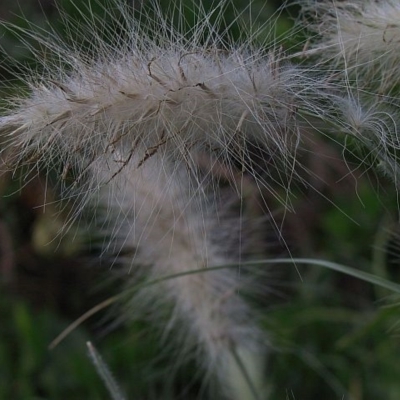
<point>131,122</point>
<point>177,229</point>
<point>358,43</point>
<point>360,36</point>
<point>132,119</point>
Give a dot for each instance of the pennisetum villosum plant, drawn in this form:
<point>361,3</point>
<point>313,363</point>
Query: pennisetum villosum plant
<point>148,123</point>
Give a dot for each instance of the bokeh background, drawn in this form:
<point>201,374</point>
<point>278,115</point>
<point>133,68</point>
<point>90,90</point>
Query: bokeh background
<point>332,336</point>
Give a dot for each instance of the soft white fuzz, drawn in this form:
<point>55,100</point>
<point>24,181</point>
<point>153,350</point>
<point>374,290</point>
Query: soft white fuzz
<point>141,122</point>
<point>158,88</point>
<point>175,95</point>
<point>360,36</point>
<point>130,124</point>
<point>358,43</point>
<point>176,229</point>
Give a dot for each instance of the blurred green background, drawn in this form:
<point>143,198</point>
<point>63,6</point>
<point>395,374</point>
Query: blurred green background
<point>332,336</point>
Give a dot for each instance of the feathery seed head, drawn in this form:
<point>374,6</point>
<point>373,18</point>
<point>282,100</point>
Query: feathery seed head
<point>133,119</point>
<point>134,115</point>
<point>361,37</point>
<point>358,41</point>
<point>159,89</point>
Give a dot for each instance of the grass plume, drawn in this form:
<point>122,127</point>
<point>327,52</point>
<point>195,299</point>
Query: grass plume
<point>148,124</point>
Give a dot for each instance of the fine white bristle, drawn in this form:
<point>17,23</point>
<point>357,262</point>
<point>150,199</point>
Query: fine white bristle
<point>133,123</point>
<point>137,124</point>
<point>357,42</point>
<point>361,37</point>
